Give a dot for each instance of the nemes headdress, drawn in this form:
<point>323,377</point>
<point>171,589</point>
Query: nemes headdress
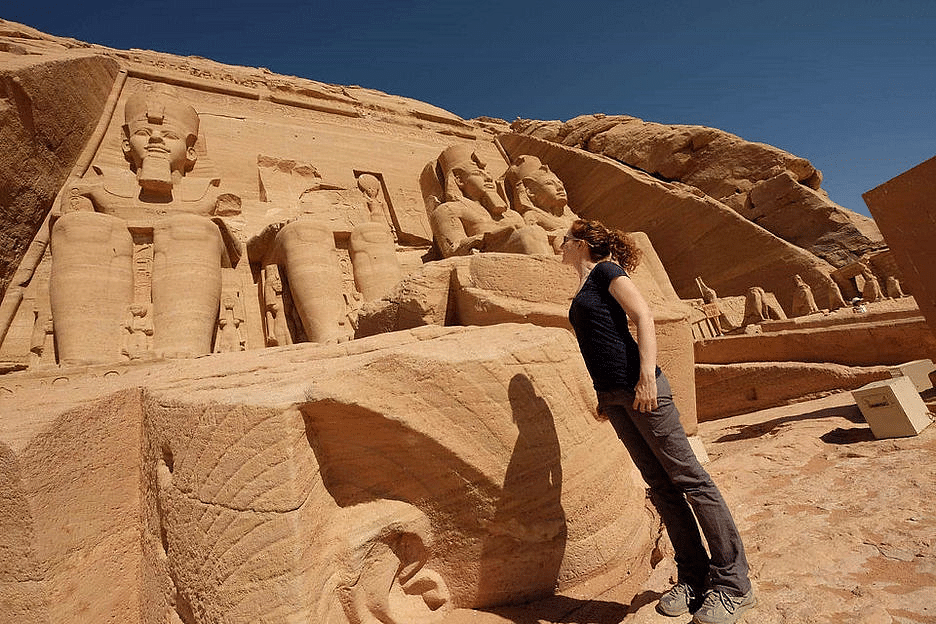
<point>155,106</point>
<point>523,166</point>
<point>458,156</point>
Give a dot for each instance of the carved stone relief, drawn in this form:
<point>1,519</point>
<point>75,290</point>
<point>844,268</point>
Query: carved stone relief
<point>138,235</point>
<point>473,216</point>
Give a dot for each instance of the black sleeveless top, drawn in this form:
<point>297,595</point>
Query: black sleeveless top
<point>600,324</point>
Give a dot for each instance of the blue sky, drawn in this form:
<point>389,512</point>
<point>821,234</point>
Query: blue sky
<point>850,85</point>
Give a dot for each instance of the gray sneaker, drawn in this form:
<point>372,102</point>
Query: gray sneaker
<point>721,608</point>
<point>681,598</point>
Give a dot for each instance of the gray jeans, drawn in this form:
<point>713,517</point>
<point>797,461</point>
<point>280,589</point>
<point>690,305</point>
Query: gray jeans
<point>658,445</point>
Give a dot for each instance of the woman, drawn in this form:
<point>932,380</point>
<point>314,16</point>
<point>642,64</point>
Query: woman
<point>635,396</point>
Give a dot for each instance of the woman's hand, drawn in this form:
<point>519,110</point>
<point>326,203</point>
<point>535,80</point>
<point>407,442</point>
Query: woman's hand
<point>645,399</point>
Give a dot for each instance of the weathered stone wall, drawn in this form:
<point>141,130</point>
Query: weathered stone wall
<point>49,108</point>
<point>906,210</point>
<point>239,487</point>
<point>856,344</point>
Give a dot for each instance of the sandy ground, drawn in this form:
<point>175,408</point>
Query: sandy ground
<point>839,527</point>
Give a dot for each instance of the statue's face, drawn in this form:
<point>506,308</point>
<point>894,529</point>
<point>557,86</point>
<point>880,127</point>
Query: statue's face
<point>165,141</point>
<point>475,182</point>
<point>546,189</point>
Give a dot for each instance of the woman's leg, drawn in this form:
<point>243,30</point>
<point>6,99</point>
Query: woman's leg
<point>665,436</point>
<point>692,562</point>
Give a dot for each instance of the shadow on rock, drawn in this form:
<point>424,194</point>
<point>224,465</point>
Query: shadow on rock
<point>848,436</point>
<point>748,432</point>
<point>565,610</point>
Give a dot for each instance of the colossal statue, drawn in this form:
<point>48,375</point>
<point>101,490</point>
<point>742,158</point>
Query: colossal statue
<point>301,264</point>
<point>109,218</point>
<point>474,217</point>
<point>373,252</point>
<point>539,195</point>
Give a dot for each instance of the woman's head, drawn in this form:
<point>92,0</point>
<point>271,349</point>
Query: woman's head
<point>603,242</point>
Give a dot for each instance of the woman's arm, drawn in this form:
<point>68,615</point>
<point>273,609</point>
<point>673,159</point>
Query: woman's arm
<point>625,292</point>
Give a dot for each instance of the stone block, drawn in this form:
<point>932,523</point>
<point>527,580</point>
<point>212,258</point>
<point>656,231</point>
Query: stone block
<point>893,408</point>
<point>904,209</point>
<point>919,372</point>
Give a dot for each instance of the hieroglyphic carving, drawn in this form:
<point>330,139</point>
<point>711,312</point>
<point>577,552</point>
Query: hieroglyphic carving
<point>142,268</point>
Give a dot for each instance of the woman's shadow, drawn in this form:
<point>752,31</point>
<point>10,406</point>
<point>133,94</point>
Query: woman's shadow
<point>527,534</point>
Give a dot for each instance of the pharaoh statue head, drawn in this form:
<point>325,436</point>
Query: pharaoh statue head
<point>531,183</point>
<point>464,176</point>
<point>159,138</point>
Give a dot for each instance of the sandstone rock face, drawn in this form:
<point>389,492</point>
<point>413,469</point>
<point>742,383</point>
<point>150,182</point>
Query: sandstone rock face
<point>263,483</point>
<point>777,190</point>
<point>694,235</point>
<point>50,105</point>
<point>904,206</point>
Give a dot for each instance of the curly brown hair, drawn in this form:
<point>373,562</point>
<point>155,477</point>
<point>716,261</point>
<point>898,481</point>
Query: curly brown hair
<point>603,242</point>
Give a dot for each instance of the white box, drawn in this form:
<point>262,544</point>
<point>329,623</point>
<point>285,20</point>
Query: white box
<point>918,371</point>
<point>892,407</point>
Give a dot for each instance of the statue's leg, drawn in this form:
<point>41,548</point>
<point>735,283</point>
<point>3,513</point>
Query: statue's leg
<point>307,251</point>
<point>530,239</point>
<point>186,285</point>
<point>373,257</point>
<point>91,286</point>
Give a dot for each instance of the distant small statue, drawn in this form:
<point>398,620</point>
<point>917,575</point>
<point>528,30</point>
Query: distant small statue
<point>230,336</point>
<point>758,307</point>
<point>712,311</point>
<point>474,217</point>
<point>42,343</point>
<point>139,332</point>
<point>708,294</point>
<point>894,291</point>
<point>872,288</point>
<point>804,303</point>
<point>834,294</point>
<point>275,326</point>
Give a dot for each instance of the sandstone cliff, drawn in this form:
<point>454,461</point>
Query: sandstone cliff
<point>775,189</point>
